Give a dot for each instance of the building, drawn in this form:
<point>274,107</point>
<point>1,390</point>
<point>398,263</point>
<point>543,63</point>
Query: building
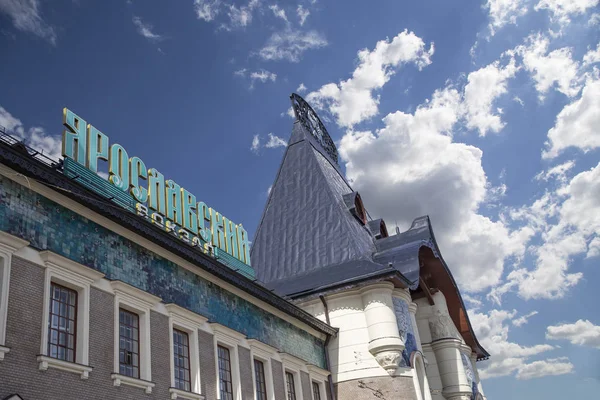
<point>100,301</point>
<point>403,328</point>
<point>130,288</point>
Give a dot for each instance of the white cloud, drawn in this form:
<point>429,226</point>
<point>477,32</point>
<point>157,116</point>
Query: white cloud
<point>290,44</point>
<point>483,88</point>
<point>145,30</point>
<point>522,320</point>
<point>577,124</point>
<point>301,88</point>
<point>275,141</point>
<point>255,144</point>
<point>240,17</point>
<point>207,10</point>
<point>549,69</point>
<point>576,208</point>
<point>593,248</point>
<point>263,76</point>
<point>558,172</point>
<point>592,56</point>
<point>302,14</point>
<point>26,16</point>
<point>563,10</point>
<point>551,367</point>
<point>418,162</point>
<point>35,137</point>
<point>518,100</point>
<point>581,333</point>
<point>278,12</point>
<point>240,72</point>
<point>491,330</point>
<point>351,101</point>
<point>503,12</point>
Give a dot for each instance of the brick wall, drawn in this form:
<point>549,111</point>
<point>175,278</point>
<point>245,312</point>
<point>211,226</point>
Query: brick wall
<point>398,387</point>
<point>208,376</point>
<point>278,383</point>
<point>246,373</point>
<point>306,386</point>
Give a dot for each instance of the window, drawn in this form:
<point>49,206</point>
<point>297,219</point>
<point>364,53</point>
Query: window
<point>181,360</point>
<point>185,357</point>
<point>259,376</point>
<point>62,323</point>
<point>291,387</point>
<point>66,319</point>
<point>316,391</point>
<point>225,380</point>
<point>8,245</point>
<point>129,344</point>
<point>132,351</point>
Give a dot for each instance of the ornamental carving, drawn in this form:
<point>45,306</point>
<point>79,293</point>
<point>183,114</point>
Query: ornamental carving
<point>312,123</point>
<point>442,327</point>
<point>389,360</point>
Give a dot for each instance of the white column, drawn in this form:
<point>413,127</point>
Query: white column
<point>385,343</point>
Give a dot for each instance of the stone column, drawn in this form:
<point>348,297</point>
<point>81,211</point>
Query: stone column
<point>446,343</point>
<point>385,343</point>
<point>476,370</point>
<point>412,308</point>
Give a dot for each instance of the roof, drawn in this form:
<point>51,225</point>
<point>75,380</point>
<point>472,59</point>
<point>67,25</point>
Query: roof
<point>311,240</point>
<point>49,174</point>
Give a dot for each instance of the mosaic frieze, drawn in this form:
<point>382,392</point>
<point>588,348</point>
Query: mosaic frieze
<point>49,226</point>
<point>470,374</point>
<point>406,330</point>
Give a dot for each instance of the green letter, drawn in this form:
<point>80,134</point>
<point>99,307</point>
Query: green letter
<point>119,167</point>
<point>204,226</point>
<point>156,191</point>
<point>190,220</point>
<point>74,137</point>
<point>173,202</point>
<point>97,148</point>
<point>231,241</point>
<point>243,244</point>
<point>216,223</point>
<point>137,169</point>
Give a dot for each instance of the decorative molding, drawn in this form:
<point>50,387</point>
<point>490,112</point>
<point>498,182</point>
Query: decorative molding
<point>442,327</point>
<point>316,372</point>
<point>119,380</point>
<point>412,308</point>
<point>53,260</point>
<point>293,362</point>
<point>3,351</point>
<point>49,362</point>
<point>262,350</point>
<point>389,360</point>
<point>183,394</point>
<point>228,336</point>
<point>402,294</point>
<point>24,163</point>
<point>134,295</point>
<point>445,343</point>
<point>190,317</point>
<point>11,244</point>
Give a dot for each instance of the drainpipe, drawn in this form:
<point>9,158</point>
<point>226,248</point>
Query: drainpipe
<point>327,363</point>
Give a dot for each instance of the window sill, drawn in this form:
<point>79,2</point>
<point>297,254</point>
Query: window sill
<point>3,351</point>
<point>119,380</point>
<point>183,394</point>
<point>49,362</point>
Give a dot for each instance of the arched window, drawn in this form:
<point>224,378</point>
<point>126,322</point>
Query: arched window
<point>420,376</point>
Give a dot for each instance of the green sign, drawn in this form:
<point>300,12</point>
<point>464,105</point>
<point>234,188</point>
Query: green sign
<point>163,202</point>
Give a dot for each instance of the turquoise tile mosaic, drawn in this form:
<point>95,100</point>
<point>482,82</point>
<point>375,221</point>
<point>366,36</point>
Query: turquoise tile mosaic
<point>49,226</point>
<point>406,330</point>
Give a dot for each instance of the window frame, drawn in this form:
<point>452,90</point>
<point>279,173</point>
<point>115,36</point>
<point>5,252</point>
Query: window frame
<point>188,322</point>
<point>263,381</point>
<point>289,373</point>
<point>141,303</point>
<point>321,378</point>
<point>264,353</point>
<point>9,244</point>
<point>136,339</point>
<point>319,390</point>
<point>53,287</point>
<point>230,339</point>
<point>187,359</point>
<point>77,277</point>
<point>294,366</point>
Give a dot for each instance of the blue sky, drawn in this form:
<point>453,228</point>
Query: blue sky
<point>483,115</point>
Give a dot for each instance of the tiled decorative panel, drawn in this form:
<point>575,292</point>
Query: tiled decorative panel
<point>406,329</point>
<point>470,374</point>
<point>49,226</point>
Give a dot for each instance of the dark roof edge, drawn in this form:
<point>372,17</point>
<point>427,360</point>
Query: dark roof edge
<point>485,354</point>
<point>46,175</point>
<point>360,279</point>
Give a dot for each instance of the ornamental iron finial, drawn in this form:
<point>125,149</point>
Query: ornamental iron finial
<point>312,123</point>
